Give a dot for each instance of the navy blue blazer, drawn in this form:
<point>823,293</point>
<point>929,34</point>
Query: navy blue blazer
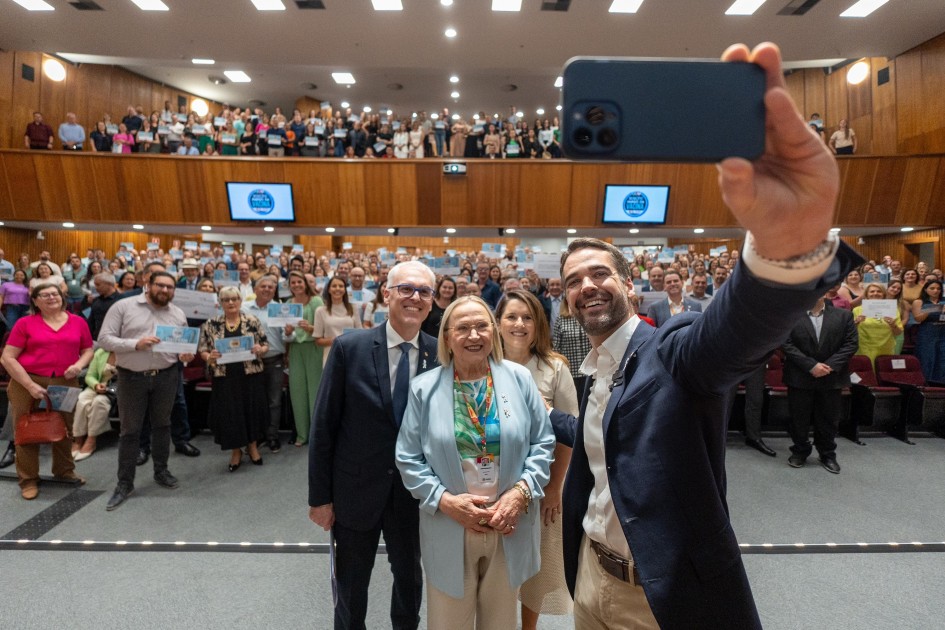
<point>660,313</point>
<point>664,431</point>
<point>351,450</point>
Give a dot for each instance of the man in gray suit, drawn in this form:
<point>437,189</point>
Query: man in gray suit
<point>675,302</point>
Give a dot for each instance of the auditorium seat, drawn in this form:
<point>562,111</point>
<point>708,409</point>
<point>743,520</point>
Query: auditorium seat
<point>197,388</point>
<point>923,405</point>
<point>777,414</point>
<point>873,407</point>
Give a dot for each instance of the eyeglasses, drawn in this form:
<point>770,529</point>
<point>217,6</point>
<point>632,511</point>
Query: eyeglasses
<point>407,290</point>
<point>464,330</point>
<point>47,296</point>
<point>229,299</point>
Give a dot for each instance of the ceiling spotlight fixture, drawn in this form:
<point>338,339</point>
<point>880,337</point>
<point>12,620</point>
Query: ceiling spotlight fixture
<point>455,116</point>
<point>634,230</point>
<point>199,107</point>
<point>744,7</point>
<point>330,230</point>
<point>572,231</point>
<point>388,5</point>
<point>202,62</point>
<point>540,111</point>
<point>345,104</point>
<point>510,230</point>
<point>450,32</point>
<point>205,228</point>
<point>237,76</point>
<point>834,230</point>
<point>269,228</point>
<point>367,109</point>
<point>434,116</point>
<point>625,6</point>
<point>269,5</point>
<point>454,94</point>
<point>557,108</point>
<point>454,79</point>
<point>451,230</point>
<point>390,112</point>
<point>698,231</point>
<point>391,230</point>
<point>217,80</point>
<point>559,82</point>
<point>343,78</point>
<point>858,73</point>
<point>68,224</point>
<point>138,226</point>
<point>863,8</point>
<point>54,70</point>
<point>906,229</point>
<point>475,116</point>
<point>446,3</point>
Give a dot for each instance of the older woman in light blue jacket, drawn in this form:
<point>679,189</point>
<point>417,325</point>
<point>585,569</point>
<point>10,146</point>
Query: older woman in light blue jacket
<point>475,448</point>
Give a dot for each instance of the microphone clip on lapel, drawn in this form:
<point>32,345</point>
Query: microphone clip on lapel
<point>620,375</point>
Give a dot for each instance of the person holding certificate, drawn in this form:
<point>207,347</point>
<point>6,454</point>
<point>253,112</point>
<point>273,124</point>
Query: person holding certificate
<point>877,322</point>
<point>238,410</point>
<point>305,357</point>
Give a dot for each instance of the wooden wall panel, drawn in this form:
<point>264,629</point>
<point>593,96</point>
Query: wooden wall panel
<point>7,124</point>
<point>795,87</point>
<point>25,95</point>
<point>875,247</point>
<point>815,96</point>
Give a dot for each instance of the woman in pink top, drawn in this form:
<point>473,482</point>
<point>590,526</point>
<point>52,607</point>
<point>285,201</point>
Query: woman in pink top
<point>122,141</point>
<point>47,348</point>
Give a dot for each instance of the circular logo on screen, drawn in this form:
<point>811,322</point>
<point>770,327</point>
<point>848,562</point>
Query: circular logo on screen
<point>261,202</point>
<point>635,204</point>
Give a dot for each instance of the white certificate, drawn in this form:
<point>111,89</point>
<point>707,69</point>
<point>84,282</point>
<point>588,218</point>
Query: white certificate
<point>228,138</point>
<point>196,304</point>
<point>226,278</point>
<point>648,298</point>
<point>177,339</point>
<point>199,130</point>
<point>163,130</point>
<point>310,141</point>
<point>235,349</point>
<point>341,133</point>
<point>879,309</point>
<point>274,141</point>
<point>547,265</point>
<point>62,398</point>
<point>145,136</point>
<point>287,314</point>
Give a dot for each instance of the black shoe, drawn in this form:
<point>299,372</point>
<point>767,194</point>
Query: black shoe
<point>760,446</point>
<point>119,497</point>
<point>796,461</point>
<point>830,463</point>
<point>143,456</point>
<point>256,462</point>
<point>186,448</point>
<point>275,446</point>
<point>9,456</point>
<point>166,479</point>
<point>233,467</point>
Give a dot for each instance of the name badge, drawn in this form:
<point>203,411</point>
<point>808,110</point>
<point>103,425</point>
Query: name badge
<point>485,468</point>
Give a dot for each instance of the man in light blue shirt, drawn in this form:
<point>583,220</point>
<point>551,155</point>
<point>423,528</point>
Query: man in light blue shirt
<point>273,365</point>
<point>188,147</point>
<point>6,269</point>
<point>71,134</point>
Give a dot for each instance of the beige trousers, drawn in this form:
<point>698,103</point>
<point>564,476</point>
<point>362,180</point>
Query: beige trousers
<point>91,413</point>
<point>602,602</point>
<point>489,602</point>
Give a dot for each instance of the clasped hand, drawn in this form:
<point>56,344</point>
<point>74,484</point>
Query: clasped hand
<point>473,512</point>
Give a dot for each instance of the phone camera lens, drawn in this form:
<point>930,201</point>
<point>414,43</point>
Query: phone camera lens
<point>583,137</point>
<point>595,115</point>
<point>607,138</point>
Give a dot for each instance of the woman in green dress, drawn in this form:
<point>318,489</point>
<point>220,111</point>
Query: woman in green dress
<point>305,357</point>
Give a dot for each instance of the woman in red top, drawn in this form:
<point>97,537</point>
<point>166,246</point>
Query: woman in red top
<point>49,347</point>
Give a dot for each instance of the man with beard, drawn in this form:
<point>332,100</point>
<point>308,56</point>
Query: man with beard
<point>147,378</point>
<point>646,532</point>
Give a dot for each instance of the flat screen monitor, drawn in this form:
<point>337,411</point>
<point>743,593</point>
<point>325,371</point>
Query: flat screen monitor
<point>256,201</point>
<point>635,204</point>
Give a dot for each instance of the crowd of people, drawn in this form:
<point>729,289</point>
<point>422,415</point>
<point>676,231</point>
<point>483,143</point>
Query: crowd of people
<point>319,133</point>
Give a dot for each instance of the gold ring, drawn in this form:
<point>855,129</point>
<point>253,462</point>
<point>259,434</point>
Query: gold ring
<point>483,521</point>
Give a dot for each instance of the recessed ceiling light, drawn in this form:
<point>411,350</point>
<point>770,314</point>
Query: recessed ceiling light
<point>434,116</point>
<point>634,230</point>
<point>269,228</point>
<point>834,230</point>
<point>506,5</point>
<point>367,109</point>
<point>151,5</point>
<point>572,231</point>
<point>68,224</point>
<point>54,70</point>
<point>343,78</point>
<point>540,111</point>
<point>475,116</point>
<point>329,229</point>
<point>199,106</point>
<point>345,104</point>
<point>698,231</point>
<point>391,230</point>
<point>413,115</point>
<point>388,5</point>
<point>269,5</point>
<point>744,7</point>
<point>454,79</point>
<point>446,3</point>
<point>35,5</point>
<point>906,229</point>
<point>625,6</point>
<point>389,112</point>
<point>138,226</point>
<point>863,8</point>
<point>205,228</point>
<point>455,116</point>
<point>2,223</point>
<point>557,108</point>
<point>510,230</point>
<point>858,73</point>
<point>451,230</point>
<point>454,94</point>
<point>450,32</point>
<point>202,62</point>
<point>559,82</point>
<point>237,76</point>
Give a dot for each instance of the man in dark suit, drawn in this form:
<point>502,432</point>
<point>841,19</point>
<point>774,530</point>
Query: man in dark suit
<point>646,532</point>
<point>354,487</point>
<point>817,357</point>
<point>675,302</point>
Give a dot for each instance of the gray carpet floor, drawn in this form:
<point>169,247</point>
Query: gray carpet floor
<point>887,491</point>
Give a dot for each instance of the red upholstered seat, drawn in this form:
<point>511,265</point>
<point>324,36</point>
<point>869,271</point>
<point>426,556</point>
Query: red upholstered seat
<point>872,406</point>
<point>924,405</point>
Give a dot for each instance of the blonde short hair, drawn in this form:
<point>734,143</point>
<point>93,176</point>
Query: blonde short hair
<point>443,353</point>
<point>229,291</point>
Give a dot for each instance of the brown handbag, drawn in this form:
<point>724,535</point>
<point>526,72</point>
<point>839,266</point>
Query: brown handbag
<point>40,426</point>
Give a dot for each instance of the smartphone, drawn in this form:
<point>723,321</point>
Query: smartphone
<point>662,111</point>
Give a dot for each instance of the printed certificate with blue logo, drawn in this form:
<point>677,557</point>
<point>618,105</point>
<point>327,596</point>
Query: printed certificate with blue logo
<point>235,349</point>
<point>176,339</point>
<point>286,314</point>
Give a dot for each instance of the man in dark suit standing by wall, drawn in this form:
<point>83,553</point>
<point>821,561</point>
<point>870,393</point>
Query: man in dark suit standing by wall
<point>817,355</point>
<point>646,532</point>
<point>354,486</point>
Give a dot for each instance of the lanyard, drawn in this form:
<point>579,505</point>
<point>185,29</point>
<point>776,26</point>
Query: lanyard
<point>473,415</point>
